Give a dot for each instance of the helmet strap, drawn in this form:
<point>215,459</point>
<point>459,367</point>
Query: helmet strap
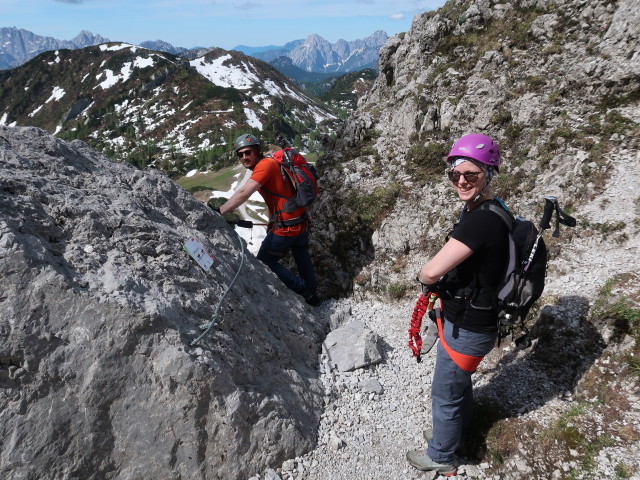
<point>488,173</point>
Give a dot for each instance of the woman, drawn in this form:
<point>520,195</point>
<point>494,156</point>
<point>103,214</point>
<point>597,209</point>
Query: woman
<point>473,262</point>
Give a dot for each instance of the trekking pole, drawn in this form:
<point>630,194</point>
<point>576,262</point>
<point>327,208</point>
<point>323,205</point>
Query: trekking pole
<point>247,224</point>
<point>549,206</point>
<point>552,205</point>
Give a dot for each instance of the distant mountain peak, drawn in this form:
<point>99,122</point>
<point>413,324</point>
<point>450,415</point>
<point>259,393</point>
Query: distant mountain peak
<point>18,45</point>
<point>162,46</point>
<point>316,54</point>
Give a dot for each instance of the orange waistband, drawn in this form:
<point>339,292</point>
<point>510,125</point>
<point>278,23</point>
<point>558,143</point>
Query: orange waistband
<point>468,363</point>
<point>290,231</point>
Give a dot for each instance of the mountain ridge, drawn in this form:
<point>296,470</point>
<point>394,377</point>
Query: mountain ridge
<point>315,54</point>
<point>157,108</point>
<point>18,45</point>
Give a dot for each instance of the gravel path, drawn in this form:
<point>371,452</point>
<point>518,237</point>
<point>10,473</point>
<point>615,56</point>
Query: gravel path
<point>365,435</point>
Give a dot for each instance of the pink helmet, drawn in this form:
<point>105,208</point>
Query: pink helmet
<point>476,147</point>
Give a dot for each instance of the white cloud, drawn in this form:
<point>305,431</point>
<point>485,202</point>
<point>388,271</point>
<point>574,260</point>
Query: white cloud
<point>273,9</point>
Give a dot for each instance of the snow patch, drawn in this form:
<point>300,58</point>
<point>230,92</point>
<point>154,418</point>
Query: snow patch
<point>120,46</point>
<point>142,62</point>
<point>112,79</point>
<point>57,60</point>
<point>253,236</point>
<point>228,76</point>
<point>252,119</point>
<point>191,173</point>
<point>57,94</point>
<point>36,111</point>
<point>263,100</point>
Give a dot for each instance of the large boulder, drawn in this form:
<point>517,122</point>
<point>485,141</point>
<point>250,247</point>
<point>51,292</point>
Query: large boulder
<point>99,310</point>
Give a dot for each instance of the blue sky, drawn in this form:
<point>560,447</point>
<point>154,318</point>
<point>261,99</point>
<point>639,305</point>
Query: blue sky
<point>208,23</point>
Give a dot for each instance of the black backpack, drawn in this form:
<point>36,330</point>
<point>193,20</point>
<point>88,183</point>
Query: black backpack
<point>524,279</point>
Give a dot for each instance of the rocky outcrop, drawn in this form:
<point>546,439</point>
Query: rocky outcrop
<point>555,83</point>
<point>99,309</point>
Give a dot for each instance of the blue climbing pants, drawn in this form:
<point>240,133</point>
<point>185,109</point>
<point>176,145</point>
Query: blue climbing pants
<point>452,391</point>
<point>275,247</point>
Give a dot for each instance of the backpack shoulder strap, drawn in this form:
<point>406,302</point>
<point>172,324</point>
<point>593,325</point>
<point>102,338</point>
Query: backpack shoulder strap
<point>505,215</point>
<point>509,222</point>
<point>285,176</point>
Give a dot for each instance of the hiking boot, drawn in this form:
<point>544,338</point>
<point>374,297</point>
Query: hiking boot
<point>420,460</point>
<point>463,450</point>
<point>312,299</point>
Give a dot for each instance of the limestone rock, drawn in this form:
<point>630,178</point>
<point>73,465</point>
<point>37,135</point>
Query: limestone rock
<point>99,309</point>
<point>352,346</point>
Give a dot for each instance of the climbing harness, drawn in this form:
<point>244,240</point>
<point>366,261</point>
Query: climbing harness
<point>425,303</point>
<point>468,363</point>
<point>216,319</point>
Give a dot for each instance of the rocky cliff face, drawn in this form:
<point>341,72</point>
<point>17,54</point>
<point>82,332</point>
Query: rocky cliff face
<point>100,306</point>
<point>555,83</point>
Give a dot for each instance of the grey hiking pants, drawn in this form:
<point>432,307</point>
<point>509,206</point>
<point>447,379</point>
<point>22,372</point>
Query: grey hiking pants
<point>452,391</point>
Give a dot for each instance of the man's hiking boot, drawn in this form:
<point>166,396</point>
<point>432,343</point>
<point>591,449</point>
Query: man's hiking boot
<point>312,299</point>
<point>464,449</point>
<point>420,460</point>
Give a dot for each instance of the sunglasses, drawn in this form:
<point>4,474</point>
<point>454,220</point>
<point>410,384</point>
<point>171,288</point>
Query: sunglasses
<point>469,177</point>
<point>245,153</point>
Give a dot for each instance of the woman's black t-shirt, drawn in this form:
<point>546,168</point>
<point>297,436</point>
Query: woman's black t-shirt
<point>486,234</point>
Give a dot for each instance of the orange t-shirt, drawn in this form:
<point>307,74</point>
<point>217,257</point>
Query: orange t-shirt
<point>272,179</point>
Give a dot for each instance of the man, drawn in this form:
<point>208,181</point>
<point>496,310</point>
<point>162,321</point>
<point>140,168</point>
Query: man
<point>286,230</point>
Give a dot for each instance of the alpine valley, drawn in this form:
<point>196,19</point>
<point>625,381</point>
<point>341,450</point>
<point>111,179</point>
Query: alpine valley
<point>146,106</point>
<point>174,108</point>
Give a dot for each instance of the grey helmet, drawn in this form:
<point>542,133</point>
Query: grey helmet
<point>245,141</point>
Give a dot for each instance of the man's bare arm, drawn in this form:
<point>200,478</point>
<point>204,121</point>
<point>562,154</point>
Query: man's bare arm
<point>240,196</point>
